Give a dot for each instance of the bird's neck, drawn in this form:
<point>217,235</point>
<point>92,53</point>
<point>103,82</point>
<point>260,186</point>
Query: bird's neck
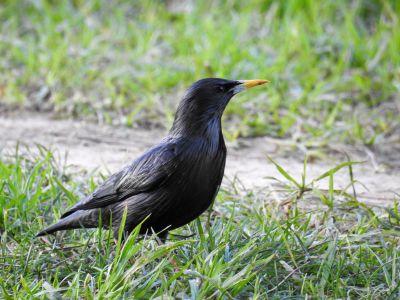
<point>207,126</point>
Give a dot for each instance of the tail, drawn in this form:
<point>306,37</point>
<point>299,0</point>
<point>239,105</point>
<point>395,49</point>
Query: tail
<point>78,219</point>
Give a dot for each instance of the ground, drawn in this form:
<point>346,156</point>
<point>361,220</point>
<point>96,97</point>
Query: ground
<point>267,236</point>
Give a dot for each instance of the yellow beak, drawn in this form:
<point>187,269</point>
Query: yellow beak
<point>254,82</point>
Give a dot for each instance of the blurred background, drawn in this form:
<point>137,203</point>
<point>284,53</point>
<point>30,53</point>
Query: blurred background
<point>334,65</point>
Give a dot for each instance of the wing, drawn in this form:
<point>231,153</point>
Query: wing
<point>146,173</point>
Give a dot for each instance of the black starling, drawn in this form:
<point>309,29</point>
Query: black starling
<point>173,182</point>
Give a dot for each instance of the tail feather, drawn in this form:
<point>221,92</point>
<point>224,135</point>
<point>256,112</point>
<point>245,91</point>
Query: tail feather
<point>75,208</point>
<point>78,219</point>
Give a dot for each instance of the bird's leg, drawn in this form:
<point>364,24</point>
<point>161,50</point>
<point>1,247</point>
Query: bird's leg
<point>125,235</point>
<point>162,237</point>
<point>209,211</point>
<point>181,236</point>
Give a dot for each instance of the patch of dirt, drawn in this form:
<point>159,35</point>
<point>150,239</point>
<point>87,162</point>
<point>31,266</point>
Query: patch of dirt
<point>91,146</point>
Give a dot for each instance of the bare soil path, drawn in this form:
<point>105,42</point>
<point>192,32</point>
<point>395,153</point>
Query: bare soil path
<point>92,146</point>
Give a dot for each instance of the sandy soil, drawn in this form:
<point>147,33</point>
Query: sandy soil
<point>92,146</point>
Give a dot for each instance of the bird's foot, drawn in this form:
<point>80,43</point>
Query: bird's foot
<point>181,236</point>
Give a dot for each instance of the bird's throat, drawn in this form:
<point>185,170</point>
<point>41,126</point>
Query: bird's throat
<point>208,126</point>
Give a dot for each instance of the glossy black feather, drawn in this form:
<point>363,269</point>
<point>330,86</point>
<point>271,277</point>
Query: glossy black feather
<point>144,174</point>
<point>173,182</point>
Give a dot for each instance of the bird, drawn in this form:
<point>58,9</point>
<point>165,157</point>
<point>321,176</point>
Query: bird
<point>173,182</point>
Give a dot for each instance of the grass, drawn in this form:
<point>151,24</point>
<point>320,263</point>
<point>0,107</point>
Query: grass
<point>334,65</point>
<point>296,241</point>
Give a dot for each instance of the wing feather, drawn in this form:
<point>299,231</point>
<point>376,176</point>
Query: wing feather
<point>144,174</point>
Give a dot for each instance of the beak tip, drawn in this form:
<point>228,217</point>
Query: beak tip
<point>254,82</point>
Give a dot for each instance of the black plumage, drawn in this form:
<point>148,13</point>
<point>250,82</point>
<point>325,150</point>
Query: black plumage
<point>173,182</point>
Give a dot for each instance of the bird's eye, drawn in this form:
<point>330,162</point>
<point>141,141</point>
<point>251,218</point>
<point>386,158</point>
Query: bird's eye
<point>221,88</point>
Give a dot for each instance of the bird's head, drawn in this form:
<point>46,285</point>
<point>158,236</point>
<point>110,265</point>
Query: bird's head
<point>205,101</point>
